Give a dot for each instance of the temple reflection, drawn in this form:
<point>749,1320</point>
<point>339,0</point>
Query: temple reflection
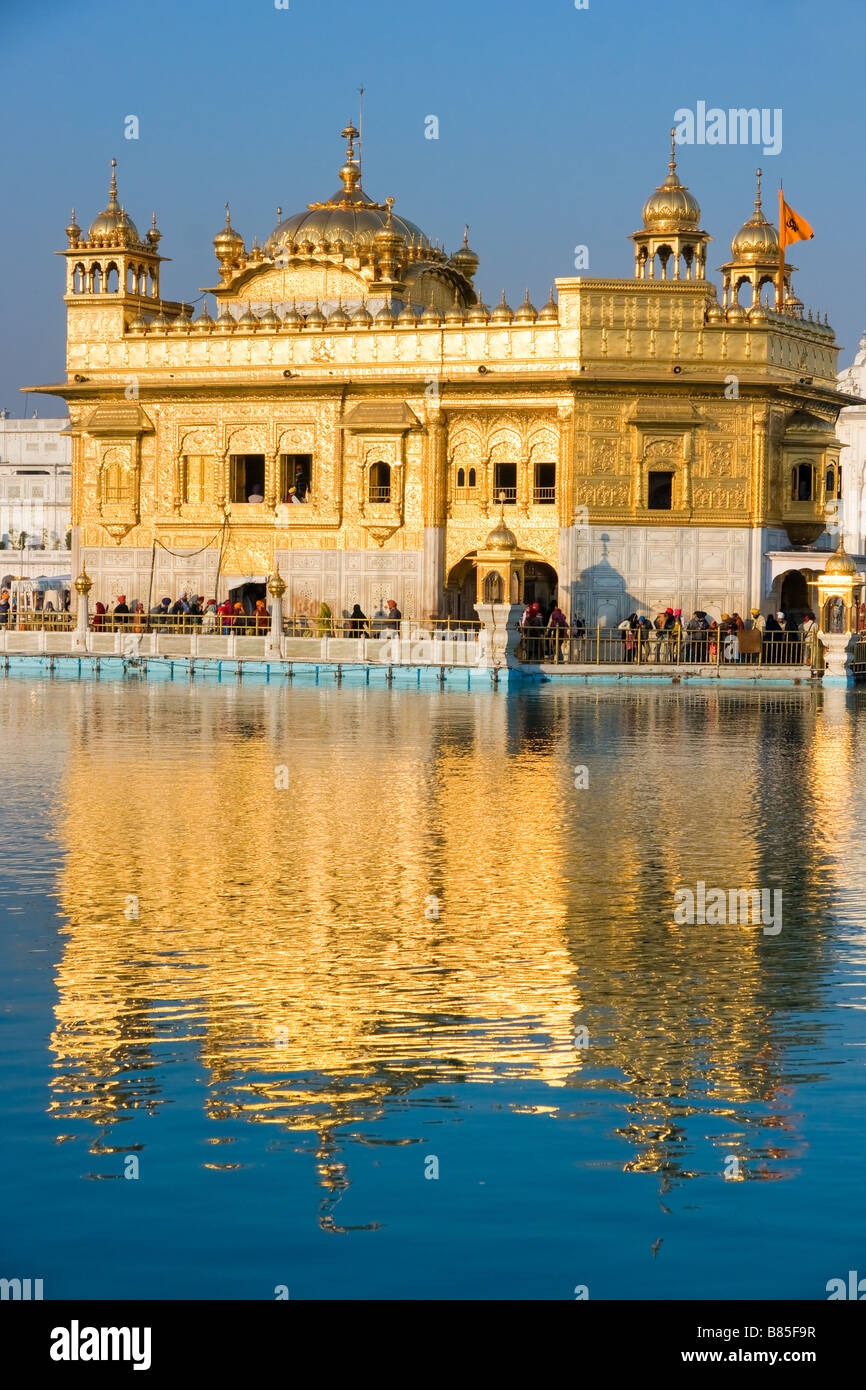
<point>432,901</point>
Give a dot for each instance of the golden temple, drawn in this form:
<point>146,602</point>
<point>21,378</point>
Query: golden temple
<point>354,411</point>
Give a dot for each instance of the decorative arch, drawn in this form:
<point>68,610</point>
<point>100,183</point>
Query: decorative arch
<point>79,279</point>
<point>112,278</point>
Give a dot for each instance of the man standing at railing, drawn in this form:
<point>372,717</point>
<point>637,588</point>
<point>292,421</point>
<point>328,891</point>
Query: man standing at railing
<point>121,613</point>
<point>557,627</point>
<point>578,632</point>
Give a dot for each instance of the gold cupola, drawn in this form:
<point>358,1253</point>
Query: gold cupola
<point>113,222</point>
<point>754,260</point>
<point>671,244</point>
<point>228,246</point>
<point>465,260</point>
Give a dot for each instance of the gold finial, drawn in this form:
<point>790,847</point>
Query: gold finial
<point>228,216</point>
<point>389,203</point>
<point>466,236</point>
<point>673,164</point>
<point>758,191</point>
<point>279,214</point>
<point>350,134</point>
<point>112,188</point>
<point>350,172</point>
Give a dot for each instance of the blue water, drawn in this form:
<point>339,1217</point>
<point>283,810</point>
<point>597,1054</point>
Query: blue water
<point>294,950</point>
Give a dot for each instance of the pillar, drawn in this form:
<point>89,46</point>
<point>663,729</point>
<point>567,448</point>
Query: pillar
<point>83,585</point>
<point>274,642</point>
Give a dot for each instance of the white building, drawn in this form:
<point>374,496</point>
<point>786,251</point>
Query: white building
<point>35,496</point>
<point>851,429</point>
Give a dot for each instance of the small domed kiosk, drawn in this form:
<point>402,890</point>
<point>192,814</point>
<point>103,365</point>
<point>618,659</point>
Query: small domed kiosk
<point>838,599</point>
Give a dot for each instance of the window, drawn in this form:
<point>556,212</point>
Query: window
<point>465,483</point>
<point>545,484</point>
<point>115,484</point>
<point>833,484</point>
<point>839,483</point>
<point>801,482</point>
<point>194,474</point>
<point>296,471</point>
<point>505,480</point>
<point>660,491</point>
<point>247,482</point>
<point>380,482</point>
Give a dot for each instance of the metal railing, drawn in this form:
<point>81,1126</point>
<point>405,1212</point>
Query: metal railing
<point>29,620</point>
<point>543,496</point>
<point>606,646</point>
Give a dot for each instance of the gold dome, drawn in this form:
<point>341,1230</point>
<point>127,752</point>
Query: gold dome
<point>840,562</point>
<point>465,260</point>
<point>757,239</point>
<point>228,243</point>
<point>672,208</point>
<point>113,217</point>
<point>500,538</point>
<point>349,216</point>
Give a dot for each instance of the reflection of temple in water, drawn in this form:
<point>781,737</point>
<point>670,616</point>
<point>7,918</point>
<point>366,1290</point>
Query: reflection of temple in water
<point>432,901</point>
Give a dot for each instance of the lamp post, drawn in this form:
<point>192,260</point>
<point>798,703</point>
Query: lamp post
<point>83,585</point>
<point>276,589</point>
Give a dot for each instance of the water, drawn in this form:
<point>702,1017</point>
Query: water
<point>288,1039</point>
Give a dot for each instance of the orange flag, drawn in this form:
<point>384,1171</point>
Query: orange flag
<point>792,226</point>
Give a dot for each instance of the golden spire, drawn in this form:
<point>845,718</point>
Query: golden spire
<point>758,207</point>
<point>112,188</point>
<point>673,161</point>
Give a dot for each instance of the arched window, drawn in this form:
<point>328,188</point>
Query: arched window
<point>154,283</point>
<point>803,483</point>
<point>493,587</point>
<point>95,279</point>
<point>79,279</point>
<point>130,280</point>
<point>142,280</point>
<point>472,477</point>
<point>461,477</point>
<point>380,482</point>
<point>112,279</point>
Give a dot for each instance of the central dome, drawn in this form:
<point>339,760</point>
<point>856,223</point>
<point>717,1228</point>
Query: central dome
<point>348,216</point>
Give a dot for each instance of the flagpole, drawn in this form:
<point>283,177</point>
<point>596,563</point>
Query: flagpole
<point>780,287</point>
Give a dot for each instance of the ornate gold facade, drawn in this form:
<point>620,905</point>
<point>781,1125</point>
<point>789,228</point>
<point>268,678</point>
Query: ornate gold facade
<point>651,441</point>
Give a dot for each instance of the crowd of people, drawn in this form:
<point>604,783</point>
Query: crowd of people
<point>195,613</point>
<point>547,635</point>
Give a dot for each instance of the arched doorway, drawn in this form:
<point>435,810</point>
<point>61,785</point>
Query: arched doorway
<point>540,583</point>
<point>246,594</point>
<point>794,595</point>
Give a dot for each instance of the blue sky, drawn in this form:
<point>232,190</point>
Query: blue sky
<point>553,129</point>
